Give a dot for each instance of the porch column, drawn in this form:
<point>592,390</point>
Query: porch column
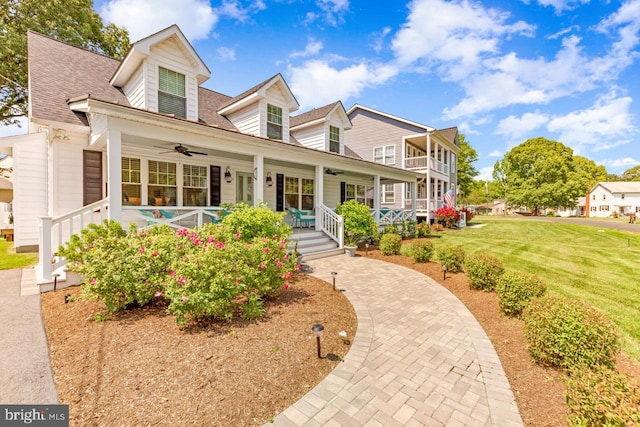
<point>429,188</point>
<point>114,172</point>
<point>376,198</point>
<point>318,194</point>
<point>414,198</point>
<point>258,174</point>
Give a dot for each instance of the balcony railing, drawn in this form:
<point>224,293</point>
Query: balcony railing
<point>421,163</point>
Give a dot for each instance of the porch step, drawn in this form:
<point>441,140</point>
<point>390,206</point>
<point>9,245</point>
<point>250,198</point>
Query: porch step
<point>312,244</point>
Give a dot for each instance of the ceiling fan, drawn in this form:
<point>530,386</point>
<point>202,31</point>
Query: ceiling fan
<point>332,172</point>
<point>184,150</point>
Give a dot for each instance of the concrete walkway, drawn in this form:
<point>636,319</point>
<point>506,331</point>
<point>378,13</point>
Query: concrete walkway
<point>26,376</point>
<point>419,357</point>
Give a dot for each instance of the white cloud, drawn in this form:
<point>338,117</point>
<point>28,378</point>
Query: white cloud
<point>235,10</point>
<point>563,32</point>
<point>226,54</point>
<point>141,18</point>
<point>331,12</point>
<point>485,174</point>
<point>317,82</point>
<point>562,5</point>
<point>594,128</point>
<point>496,153</point>
<point>516,128</point>
<point>625,162</point>
<point>14,129</point>
<point>378,39</point>
<point>312,48</point>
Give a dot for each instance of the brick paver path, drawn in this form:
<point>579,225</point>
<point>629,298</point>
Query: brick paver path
<point>419,357</point>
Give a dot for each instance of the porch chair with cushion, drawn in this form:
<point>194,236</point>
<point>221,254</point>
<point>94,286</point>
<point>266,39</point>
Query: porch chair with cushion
<point>304,218</point>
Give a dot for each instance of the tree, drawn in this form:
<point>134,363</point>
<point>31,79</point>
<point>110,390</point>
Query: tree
<point>540,173</point>
<point>466,171</point>
<point>71,21</point>
<point>587,173</point>
<point>632,174</point>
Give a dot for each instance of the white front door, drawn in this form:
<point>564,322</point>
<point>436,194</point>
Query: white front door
<point>244,188</point>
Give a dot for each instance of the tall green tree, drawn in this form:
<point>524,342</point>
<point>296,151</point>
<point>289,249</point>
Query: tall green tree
<point>466,171</point>
<point>587,173</point>
<point>632,174</point>
<point>541,173</point>
<point>70,21</point>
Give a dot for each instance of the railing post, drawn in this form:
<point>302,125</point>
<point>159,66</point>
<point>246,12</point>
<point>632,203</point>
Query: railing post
<point>340,232</point>
<point>45,248</point>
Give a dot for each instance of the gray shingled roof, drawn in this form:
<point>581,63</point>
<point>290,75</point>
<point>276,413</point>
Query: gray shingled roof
<point>248,92</point>
<point>310,116</point>
<point>449,134</point>
<point>59,71</point>
<point>209,103</point>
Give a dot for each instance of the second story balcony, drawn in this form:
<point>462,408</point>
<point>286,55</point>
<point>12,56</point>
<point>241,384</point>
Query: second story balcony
<point>424,162</point>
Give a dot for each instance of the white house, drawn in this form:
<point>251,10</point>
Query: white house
<point>607,199</point>
<point>387,139</point>
<point>142,141</point>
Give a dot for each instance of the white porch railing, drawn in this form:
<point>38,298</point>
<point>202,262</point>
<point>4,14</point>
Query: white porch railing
<point>421,204</point>
<point>58,231</point>
<point>331,223</point>
<point>385,216</point>
<point>421,163</point>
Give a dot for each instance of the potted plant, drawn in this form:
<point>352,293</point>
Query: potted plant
<point>358,224</point>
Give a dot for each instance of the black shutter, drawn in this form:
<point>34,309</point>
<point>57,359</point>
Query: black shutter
<point>343,191</point>
<point>214,185</point>
<point>280,192</point>
<point>91,176</point>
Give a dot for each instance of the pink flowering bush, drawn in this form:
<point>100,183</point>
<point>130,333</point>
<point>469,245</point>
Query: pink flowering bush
<point>214,271</point>
<point>121,268</point>
<point>468,213</point>
<point>447,216</point>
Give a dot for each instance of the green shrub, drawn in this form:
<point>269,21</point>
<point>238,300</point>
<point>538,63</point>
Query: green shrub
<point>451,256</point>
<point>565,333</point>
<point>516,289</point>
<point>423,229</point>
<point>483,271</point>
<point>421,250</point>
<point>358,222</point>
<point>408,229</point>
<point>251,222</point>
<point>390,244</point>
<point>602,397</point>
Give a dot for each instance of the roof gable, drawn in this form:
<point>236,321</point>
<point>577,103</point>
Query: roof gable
<point>619,187</point>
<point>318,115</point>
<point>258,92</point>
<point>356,107</point>
<point>141,50</point>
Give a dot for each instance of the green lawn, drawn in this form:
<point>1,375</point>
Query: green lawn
<point>597,266</point>
<point>10,260</point>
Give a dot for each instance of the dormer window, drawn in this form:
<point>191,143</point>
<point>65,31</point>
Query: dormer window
<point>171,93</point>
<point>274,122</point>
<point>334,139</point>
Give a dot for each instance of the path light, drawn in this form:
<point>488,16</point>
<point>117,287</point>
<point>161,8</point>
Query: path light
<point>366,248</point>
<point>444,272</point>
<point>334,274</point>
<point>67,298</point>
<point>317,329</point>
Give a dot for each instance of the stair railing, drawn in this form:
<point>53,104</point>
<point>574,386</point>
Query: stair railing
<point>331,223</point>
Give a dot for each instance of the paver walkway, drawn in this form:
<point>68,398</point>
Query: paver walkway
<point>419,357</point>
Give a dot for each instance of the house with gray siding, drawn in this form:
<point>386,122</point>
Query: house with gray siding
<point>393,141</point>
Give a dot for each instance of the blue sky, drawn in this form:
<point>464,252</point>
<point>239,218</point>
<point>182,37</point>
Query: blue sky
<point>502,71</point>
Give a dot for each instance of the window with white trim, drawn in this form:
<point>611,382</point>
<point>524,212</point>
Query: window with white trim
<point>171,93</point>
<point>299,193</point>
<point>334,139</point>
<point>194,185</point>
<point>388,193</point>
<point>162,183</point>
<point>385,154</point>
<point>274,122</point>
<point>131,185</point>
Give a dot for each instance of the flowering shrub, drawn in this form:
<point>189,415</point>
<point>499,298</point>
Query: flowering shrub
<point>447,216</point>
<point>216,270</point>
<point>468,214</point>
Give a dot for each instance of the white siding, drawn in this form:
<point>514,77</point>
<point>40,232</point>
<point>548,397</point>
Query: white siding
<point>276,97</point>
<point>30,182</point>
<point>312,137</point>
<point>247,120</point>
<point>134,89</point>
<point>67,176</point>
<point>168,55</point>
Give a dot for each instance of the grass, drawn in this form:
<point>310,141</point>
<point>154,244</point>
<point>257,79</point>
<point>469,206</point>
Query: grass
<point>599,267</point>
<point>9,260</point>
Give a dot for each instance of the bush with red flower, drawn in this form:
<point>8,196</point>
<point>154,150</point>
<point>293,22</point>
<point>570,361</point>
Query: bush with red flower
<point>447,216</point>
<point>468,213</point>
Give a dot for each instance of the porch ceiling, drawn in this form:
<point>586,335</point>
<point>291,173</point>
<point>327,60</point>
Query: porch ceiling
<point>156,147</point>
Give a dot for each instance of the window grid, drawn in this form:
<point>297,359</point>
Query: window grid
<point>274,122</point>
<point>385,155</point>
<point>131,186</point>
<point>388,193</point>
<point>334,139</point>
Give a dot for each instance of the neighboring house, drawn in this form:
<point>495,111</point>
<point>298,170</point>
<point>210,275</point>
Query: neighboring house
<point>6,191</point>
<point>580,209</point>
<point>390,140</point>
<point>119,140</point>
<point>613,198</point>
